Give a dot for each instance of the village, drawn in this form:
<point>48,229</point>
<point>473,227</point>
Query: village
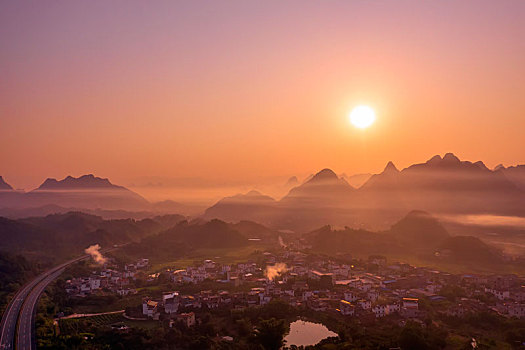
<point>365,290</point>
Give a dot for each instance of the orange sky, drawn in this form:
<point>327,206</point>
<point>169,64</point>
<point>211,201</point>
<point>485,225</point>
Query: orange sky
<point>240,92</point>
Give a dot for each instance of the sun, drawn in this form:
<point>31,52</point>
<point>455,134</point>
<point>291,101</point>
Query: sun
<point>362,117</point>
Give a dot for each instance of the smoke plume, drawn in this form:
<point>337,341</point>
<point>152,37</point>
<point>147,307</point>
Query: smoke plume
<point>281,242</point>
<point>272,271</point>
<point>95,254</point>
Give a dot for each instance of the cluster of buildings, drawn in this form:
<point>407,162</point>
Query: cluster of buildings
<point>326,285</point>
<point>109,279</point>
<point>368,290</point>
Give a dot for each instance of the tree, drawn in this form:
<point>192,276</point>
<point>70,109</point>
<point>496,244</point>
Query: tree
<point>270,333</point>
<point>412,337</point>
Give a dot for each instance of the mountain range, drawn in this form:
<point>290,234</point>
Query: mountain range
<point>86,193</point>
<point>442,185</point>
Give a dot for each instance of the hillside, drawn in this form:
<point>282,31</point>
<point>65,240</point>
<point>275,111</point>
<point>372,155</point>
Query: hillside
<point>186,237</point>
<point>62,235</point>
<point>417,235</point>
<point>250,206</point>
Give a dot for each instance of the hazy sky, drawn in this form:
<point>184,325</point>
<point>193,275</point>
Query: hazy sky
<point>244,90</point>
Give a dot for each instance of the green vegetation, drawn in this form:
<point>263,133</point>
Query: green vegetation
<point>264,327</point>
<point>15,270</point>
<point>418,239</point>
<point>61,236</point>
<point>270,333</point>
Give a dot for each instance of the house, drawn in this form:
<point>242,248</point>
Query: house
<point>94,283</point>
<point>209,264</point>
<point>187,319</point>
<point>516,310</point>
<point>410,308</point>
<point>325,278</point>
<point>372,295</point>
<point>318,304</point>
<point>346,308</point>
<point>142,263</point>
<point>393,307</point>
<point>150,308</point>
<point>364,304</point>
<point>171,302</point>
<point>411,303</point>
<point>498,293</point>
<point>126,291</point>
<point>350,296</point>
<point>379,310</point>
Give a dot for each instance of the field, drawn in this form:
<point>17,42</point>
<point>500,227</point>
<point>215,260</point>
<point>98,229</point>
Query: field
<point>222,256</point>
<point>71,325</point>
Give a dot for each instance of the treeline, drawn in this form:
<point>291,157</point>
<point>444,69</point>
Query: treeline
<point>15,270</point>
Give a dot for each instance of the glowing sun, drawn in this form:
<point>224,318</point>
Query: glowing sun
<point>362,117</point>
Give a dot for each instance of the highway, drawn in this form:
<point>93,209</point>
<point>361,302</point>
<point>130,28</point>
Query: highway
<point>17,327</point>
<point>10,316</point>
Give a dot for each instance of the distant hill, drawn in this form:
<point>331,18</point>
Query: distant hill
<point>419,229</point>
<point>418,234</point>
<point>80,183</point>
<point>291,182</point>
<point>516,174</point>
<point>468,249</point>
<point>348,240</point>
<point>442,185</point>
<point>86,191</point>
<point>249,206</point>
<point>4,185</point>
<point>449,185</point>
<point>323,187</point>
<point>170,207</point>
<point>356,180</point>
<point>63,235</point>
<point>186,237</point>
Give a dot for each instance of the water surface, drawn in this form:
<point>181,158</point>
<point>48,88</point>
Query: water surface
<point>307,333</point>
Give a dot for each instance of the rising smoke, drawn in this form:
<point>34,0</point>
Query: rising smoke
<point>281,242</point>
<point>272,271</point>
<point>93,250</point>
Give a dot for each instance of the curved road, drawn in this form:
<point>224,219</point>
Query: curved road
<point>17,327</point>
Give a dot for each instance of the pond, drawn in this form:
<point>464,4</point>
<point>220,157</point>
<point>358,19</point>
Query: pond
<point>307,333</point>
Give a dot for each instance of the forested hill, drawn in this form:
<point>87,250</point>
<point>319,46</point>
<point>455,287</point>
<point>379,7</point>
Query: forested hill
<point>15,270</point>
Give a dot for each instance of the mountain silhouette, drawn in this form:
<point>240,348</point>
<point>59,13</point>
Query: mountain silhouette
<point>356,180</point>
<point>419,228</point>
<point>87,191</point>
<point>249,206</point>
<point>323,187</point>
<point>82,182</point>
<point>516,174</point>
<point>4,186</point>
<point>441,185</point>
<point>291,182</point>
